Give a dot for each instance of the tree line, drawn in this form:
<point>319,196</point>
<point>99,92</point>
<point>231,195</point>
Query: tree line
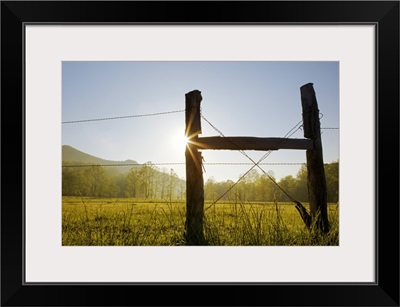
<point>148,181</point>
<point>145,181</point>
<point>259,187</point>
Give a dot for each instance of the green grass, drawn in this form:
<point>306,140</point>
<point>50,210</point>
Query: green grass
<point>138,222</point>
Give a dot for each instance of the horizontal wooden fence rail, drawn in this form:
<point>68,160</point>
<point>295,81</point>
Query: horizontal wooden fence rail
<point>251,143</point>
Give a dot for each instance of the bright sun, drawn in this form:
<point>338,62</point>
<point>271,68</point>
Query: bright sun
<point>179,142</point>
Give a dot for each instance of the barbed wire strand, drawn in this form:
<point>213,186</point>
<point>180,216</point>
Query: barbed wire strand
<point>124,164</point>
<point>120,117</point>
<point>287,135</point>
<point>181,163</point>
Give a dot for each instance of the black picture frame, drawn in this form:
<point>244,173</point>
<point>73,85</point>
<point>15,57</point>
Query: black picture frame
<point>383,14</point>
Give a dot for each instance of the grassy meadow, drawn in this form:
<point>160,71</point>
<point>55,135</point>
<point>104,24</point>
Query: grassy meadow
<point>139,222</point>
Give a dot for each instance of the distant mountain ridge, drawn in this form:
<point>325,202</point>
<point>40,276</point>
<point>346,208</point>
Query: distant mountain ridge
<point>71,155</point>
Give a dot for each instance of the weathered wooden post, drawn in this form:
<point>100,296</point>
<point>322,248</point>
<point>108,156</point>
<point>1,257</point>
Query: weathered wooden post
<point>315,165</point>
<point>194,174</point>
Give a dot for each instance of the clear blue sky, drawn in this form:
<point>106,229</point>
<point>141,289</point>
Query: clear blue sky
<point>239,98</point>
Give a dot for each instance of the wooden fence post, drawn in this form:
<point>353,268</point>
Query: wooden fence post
<point>316,180</point>
<point>194,174</point>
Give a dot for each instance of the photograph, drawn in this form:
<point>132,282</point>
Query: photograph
<point>129,142</point>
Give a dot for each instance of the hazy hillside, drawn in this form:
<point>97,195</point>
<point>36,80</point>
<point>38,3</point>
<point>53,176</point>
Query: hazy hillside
<point>144,181</point>
<point>71,155</point>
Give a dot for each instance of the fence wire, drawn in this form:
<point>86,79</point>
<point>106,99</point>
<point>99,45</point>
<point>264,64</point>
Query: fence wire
<point>181,163</point>
<point>120,117</point>
<point>297,127</point>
